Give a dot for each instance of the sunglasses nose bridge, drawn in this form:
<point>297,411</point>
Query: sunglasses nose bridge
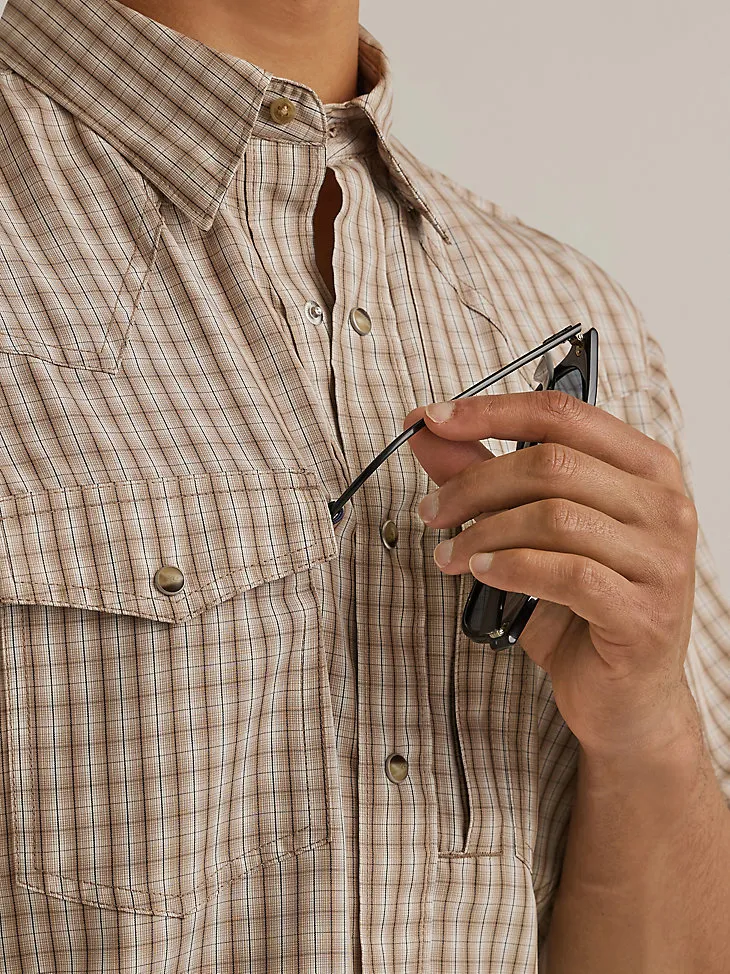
<point>544,371</point>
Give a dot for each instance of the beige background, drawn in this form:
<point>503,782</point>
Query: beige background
<point>606,125</point>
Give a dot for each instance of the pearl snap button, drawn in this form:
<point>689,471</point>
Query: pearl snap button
<point>169,580</point>
<point>313,312</point>
<point>360,321</point>
<point>389,534</point>
<point>396,767</point>
<point>282,111</point>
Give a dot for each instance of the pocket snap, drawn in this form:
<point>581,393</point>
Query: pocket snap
<point>162,745</point>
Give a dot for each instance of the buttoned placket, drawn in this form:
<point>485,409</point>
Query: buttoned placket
<point>335,346</point>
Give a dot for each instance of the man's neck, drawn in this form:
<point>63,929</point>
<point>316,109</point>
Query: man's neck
<point>313,42</point>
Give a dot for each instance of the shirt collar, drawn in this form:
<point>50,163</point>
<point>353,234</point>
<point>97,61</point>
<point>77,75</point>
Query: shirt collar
<point>179,111</point>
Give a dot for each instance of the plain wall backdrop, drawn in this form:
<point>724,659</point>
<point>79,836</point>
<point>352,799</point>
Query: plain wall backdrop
<point>607,126</point>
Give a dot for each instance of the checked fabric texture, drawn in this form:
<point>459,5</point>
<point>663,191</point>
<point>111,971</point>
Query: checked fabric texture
<point>194,781</point>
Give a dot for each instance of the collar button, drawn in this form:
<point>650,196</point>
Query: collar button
<point>282,111</point>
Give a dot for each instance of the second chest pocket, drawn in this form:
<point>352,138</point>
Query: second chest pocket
<point>161,745</point>
<point>73,270</point>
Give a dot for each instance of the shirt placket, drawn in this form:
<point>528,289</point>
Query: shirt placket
<point>372,392</point>
<point>360,376</point>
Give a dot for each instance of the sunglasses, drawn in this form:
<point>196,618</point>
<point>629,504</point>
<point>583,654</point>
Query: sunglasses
<point>490,615</point>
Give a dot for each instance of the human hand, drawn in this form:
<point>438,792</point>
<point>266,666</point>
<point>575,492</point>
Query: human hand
<point>595,522</point>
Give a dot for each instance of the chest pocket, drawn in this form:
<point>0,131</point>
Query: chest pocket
<point>161,745</point>
<point>71,271</point>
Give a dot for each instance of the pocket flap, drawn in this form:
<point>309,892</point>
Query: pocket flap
<point>98,546</point>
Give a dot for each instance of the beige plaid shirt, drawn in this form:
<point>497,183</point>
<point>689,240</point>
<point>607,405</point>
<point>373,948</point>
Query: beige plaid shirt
<point>195,778</point>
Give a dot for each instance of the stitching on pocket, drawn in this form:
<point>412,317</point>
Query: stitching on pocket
<point>302,479</point>
<point>258,855</point>
<point>16,785</point>
<point>117,590</point>
<point>33,348</point>
<point>157,234</point>
<point>309,481</point>
<point>238,867</point>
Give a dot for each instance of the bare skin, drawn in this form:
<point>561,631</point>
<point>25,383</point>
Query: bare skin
<point>313,42</point>
<point>328,206</point>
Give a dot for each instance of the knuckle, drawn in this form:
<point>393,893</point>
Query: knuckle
<point>658,573</point>
<point>679,572</point>
<point>667,504</point>
<point>658,570</point>
<point>560,516</point>
<point>678,569</point>
<point>587,575</point>
<point>482,404</point>
<point>584,573</point>
<point>563,406</point>
<point>551,460</point>
<point>663,570</point>
<point>650,616</point>
<point>666,463</point>
<point>685,514</point>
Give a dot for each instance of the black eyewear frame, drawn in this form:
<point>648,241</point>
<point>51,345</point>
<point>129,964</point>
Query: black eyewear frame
<point>490,615</point>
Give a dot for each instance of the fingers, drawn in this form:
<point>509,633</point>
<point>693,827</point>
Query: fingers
<point>556,417</point>
<point>550,470</point>
<point>591,590</point>
<point>558,526</point>
<point>440,458</point>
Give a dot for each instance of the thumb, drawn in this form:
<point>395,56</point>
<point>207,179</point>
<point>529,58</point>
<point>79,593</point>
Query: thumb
<point>441,458</point>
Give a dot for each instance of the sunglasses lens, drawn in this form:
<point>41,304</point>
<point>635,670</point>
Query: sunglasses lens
<point>572,383</point>
<point>488,609</point>
<point>490,615</point>
<point>512,605</point>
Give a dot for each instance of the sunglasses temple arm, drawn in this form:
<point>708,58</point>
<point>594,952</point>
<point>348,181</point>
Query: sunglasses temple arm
<point>336,507</point>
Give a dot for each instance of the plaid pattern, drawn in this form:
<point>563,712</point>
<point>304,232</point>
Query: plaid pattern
<point>195,782</point>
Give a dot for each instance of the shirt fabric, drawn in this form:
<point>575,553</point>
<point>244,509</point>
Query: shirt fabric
<point>196,781</point>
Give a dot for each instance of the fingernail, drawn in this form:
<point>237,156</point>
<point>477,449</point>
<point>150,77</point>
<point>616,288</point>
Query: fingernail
<point>429,507</point>
<point>481,562</point>
<point>439,412</point>
<point>442,553</point>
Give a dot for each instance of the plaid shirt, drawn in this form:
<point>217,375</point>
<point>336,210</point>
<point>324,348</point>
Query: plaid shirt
<point>194,760</point>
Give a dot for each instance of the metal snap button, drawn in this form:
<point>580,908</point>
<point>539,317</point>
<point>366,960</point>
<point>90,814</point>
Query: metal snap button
<point>389,534</point>
<point>313,312</point>
<point>396,768</point>
<point>169,580</point>
<point>282,110</point>
<point>360,321</point>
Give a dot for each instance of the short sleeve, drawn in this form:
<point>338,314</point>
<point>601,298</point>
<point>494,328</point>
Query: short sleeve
<point>708,655</point>
<point>655,409</point>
